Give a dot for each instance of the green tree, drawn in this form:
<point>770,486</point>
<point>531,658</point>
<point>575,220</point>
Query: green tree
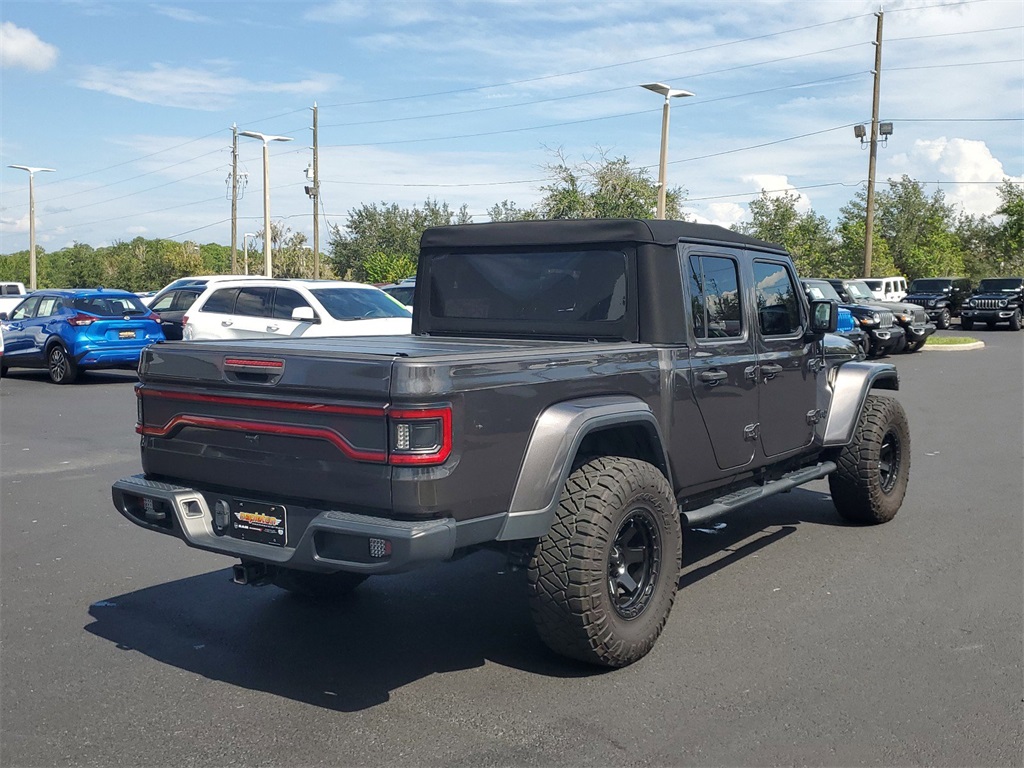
<point>14,267</point>
<point>977,235</point>
<point>807,236</point>
<point>507,210</point>
<point>388,268</point>
<point>1008,238</point>
<point>385,229</point>
<point>919,230</point>
<point>603,189</point>
<point>850,234</point>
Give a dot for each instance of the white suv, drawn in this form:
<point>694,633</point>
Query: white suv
<point>887,288</point>
<point>262,308</point>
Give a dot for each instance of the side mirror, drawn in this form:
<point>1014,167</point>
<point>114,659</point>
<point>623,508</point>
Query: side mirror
<point>305,315</point>
<point>3,316</point>
<point>824,317</point>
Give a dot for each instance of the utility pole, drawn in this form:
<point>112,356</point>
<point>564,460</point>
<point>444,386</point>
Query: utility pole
<point>315,194</point>
<point>234,199</point>
<point>869,222</point>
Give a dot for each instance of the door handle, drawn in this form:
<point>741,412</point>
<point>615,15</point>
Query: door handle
<point>273,328</point>
<point>770,370</point>
<point>226,323</point>
<point>713,377</point>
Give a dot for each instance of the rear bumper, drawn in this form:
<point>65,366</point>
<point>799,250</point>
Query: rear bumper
<point>324,541</point>
<point>117,357</point>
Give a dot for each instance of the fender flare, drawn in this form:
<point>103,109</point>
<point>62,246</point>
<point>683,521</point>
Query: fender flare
<point>849,391</point>
<point>553,445</point>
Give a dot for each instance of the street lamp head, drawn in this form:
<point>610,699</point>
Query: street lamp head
<point>859,132</point>
<point>30,169</point>
<point>885,129</point>
<point>264,137</point>
<point>666,91</point>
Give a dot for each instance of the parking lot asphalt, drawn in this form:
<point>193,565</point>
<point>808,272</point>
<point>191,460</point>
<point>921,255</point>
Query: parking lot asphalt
<point>796,639</point>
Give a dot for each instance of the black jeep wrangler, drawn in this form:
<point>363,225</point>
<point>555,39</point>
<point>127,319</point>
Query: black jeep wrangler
<point>941,297</point>
<point>996,300</point>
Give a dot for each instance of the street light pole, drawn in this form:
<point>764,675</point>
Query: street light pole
<point>266,139</point>
<point>31,220</point>
<point>668,93</point>
<point>245,249</point>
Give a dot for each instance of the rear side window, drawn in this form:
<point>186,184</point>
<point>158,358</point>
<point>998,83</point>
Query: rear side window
<point>254,302</point>
<point>222,301</point>
<point>715,297</point>
<point>778,306</point>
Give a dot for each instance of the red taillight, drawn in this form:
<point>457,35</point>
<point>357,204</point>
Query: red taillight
<point>152,316</point>
<point>184,319</point>
<point>420,437</point>
<point>81,319</point>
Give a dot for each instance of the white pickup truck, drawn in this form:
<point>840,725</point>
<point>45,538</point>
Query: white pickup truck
<point>11,295</point>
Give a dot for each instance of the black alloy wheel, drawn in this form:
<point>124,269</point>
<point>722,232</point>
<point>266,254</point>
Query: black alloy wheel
<point>633,564</point>
<point>61,367</point>
<point>890,457</point>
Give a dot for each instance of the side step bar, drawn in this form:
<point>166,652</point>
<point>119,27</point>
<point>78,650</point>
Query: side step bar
<point>728,503</point>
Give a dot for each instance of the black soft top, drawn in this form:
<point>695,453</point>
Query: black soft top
<point>576,231</point>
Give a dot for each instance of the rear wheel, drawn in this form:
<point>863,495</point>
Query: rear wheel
<point>321,586</point>
<point>942,322</point>
<point>870,481</point>
<point>603,579</point>
<point>60,365</point>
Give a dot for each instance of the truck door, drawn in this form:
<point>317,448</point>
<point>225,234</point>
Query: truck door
<point>787,365</point>
<point>724,362</point>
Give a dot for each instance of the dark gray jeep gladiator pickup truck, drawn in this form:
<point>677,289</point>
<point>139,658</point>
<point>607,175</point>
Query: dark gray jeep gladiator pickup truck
<point>574,392</point>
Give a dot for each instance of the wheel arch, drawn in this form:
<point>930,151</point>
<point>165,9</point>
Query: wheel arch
<point>853,382</point>
<point>620,425</point>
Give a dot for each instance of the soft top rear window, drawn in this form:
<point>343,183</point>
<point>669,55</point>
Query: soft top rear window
<point>525,289</point>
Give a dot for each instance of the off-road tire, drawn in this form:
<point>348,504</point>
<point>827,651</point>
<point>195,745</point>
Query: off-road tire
<point>871,479</point>
<point>966,324</point>
<point>1015,322</point>
<point>617,525</point>
<point>60,365</point>
<point>319,586</point>
<point>942,322</point>
<point>915,346</point>
<point>901,346</point>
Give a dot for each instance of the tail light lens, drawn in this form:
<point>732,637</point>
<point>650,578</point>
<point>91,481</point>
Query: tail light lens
<point>152,316</point>
<point>420,437</point>
<point>81,320</point>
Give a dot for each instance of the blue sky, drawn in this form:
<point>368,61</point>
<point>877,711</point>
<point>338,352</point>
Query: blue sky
<point>467,101</point>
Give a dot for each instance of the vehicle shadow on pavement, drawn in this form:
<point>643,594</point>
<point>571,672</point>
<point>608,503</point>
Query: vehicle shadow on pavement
<point>709,548</point>
<point>348,654</point>
<point>85,378</point>
<point>351,653</point>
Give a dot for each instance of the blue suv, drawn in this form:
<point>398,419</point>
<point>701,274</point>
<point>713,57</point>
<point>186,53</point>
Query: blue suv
<point>68,330</point>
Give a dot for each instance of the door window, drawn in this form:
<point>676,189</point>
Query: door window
<point>715,297</point>
<point>27,309</point>
<point>285,301</point>
<point>222,301</point>
<point>778,308</point>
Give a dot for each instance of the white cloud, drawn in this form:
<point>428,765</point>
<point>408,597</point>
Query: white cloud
<point>138,230</point>
<point>191,87</point>
<point>181,14</point>
<point>973,172</point>
<point>12,225</point>
<point>777,186</point>
<point>22,48</point>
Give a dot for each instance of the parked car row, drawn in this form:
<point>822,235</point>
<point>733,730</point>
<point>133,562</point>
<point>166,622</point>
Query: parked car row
<point>67,331</point>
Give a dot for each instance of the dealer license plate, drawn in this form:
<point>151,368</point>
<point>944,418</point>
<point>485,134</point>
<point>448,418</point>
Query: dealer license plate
<point>126,334</point>
<point>263,523</point>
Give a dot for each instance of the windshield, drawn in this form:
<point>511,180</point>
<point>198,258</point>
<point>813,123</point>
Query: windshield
<point>821,291</point>
<point>858,290</point>
<point>999,284</point>
<point>359,303</point>
<point>930,286</point>
<point>401,293</point>
<point>110,306</point>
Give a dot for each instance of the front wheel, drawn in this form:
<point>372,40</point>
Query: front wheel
<point>60,365</point>
<point>870,481</point>
<point>320,586</point>
<point>1015,321</point>
<point>915,346</point>
<point>942,322</point>
<point>603,579</point>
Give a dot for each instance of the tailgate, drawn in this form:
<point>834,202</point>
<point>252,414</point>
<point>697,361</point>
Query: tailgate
<point>270,421</point>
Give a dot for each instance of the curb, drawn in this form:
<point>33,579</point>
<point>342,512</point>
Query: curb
<point>952,347</point>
